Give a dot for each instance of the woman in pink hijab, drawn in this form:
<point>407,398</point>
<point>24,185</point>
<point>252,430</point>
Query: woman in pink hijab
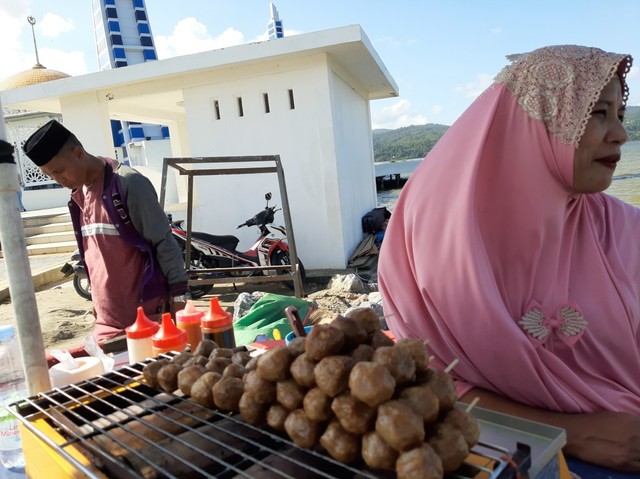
<point>504,252</point>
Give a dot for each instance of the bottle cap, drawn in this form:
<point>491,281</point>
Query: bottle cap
<point>190,314</point>
<point>143,326</point>
<point>6,332</point>
<point>216,317</point>
<point>169,335</point>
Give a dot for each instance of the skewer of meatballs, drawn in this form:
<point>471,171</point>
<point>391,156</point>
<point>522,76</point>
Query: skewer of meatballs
<point>346,387</point>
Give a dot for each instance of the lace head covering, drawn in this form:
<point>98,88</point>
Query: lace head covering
<point>560,84</point>
<point>493,257</point>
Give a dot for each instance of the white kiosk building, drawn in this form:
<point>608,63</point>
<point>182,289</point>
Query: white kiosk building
<point>304,97</point>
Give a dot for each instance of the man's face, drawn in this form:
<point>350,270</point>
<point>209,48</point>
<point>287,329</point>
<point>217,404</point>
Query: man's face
<point>66,168</point>
<point>598,153</point>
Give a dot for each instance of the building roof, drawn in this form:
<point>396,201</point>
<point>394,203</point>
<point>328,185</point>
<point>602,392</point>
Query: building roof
<point>148,92</point>
<point>37,74</point>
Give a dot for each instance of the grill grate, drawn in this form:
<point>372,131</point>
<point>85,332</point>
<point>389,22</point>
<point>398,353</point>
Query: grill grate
<point>130,430</point>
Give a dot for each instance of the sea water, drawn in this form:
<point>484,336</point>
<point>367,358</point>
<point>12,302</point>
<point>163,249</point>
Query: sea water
<point>625,185</point>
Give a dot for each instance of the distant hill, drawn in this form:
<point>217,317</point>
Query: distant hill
<point>632,122</point>
<point>413,141</point>
<point>416,141</point>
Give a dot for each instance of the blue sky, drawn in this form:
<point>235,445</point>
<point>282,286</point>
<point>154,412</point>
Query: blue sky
<point>442,54</point>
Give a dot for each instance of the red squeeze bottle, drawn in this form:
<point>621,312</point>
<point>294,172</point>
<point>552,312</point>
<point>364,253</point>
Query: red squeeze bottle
<point>169,337</point>
<point>139,337</point>
<point>189,320</point>
<point>217,325</point>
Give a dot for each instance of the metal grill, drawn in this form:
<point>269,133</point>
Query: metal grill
<point>130,430</point>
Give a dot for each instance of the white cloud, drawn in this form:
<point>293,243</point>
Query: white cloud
<point>495,31</point>
<point>72,63</point>
<point>436,109</point>
<point>473,89</point>
<point>397,115</point>
<point>53,25</point>
<point>191,36</point>
<point>633,73</point>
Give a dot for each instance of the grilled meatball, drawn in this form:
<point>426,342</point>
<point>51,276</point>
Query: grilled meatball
<point>241,358</point>
<point>442,386</point>
<point>235,370</point>
<point>181,358</point>
<point>290,394</point>
<point>302,371</point>
<point>367,318</point>
<point>423,402</point>
<point>218,364</point>
<point>399,426</point>
<point>323,340</point>
<point>332,374</point>
<point>150,371</point>
<point>259,389</point>
<point>202,389</point>
<point>371,383</point>
<point>417,349</point>
<point>187,376</point>
<point>296,345</point>
<point>205,347</point>
<point>196,359</point>
<point>354,332</point>
<point>377,454</point>
<point>227,393</point>
<point>449,444</point>
<point>253,412</point>
<point>274,364</point>
<point>168,377</point>
<point>363,352</point>
<point>276,416</point>
<point>340,444</point>
<point>303,431</point>
<point>398,361</point>
<point>317,405</point>
<point>221,353</point>
<point>419,463</point>
<point>379,339</point>
<point>354,415</point>
<point>467,423</point>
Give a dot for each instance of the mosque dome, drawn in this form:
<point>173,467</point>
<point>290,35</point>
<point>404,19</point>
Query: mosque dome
<point>37,74</point>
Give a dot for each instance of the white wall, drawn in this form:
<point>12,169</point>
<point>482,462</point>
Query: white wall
<point>304,139</point>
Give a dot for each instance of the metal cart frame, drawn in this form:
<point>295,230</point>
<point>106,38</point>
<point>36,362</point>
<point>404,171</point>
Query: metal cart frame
<point>236,165</point>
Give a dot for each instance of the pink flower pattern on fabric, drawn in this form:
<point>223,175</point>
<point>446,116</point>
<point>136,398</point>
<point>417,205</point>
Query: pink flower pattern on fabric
<point>568,324</point>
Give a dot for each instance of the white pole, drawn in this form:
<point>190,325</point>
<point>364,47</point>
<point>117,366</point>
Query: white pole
<point>21,289</point>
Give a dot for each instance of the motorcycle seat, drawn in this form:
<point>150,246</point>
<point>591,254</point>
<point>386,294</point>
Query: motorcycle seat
<point>229,242</point>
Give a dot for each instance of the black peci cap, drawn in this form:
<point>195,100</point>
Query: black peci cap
<point>46,142</point>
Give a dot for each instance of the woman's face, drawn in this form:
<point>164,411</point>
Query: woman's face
<point>599,150</point>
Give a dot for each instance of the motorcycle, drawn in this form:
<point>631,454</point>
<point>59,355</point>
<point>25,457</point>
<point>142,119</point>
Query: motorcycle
<point>211,251</point>
<point>80,279</point>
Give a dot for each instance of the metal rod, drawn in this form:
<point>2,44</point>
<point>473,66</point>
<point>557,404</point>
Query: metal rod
<point>21,289</point>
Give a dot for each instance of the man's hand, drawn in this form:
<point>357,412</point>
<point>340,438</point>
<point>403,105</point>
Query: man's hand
<point>178,303</point>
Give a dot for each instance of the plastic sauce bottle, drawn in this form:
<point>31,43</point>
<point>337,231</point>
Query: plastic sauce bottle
<point>189,320</point>
<point>12,388</point>
<point>169,337</point>
<point>140,337</point>
<point>217,325</point>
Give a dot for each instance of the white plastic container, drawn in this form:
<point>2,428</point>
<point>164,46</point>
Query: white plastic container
<point>140,337</point>
<point>12,388</point>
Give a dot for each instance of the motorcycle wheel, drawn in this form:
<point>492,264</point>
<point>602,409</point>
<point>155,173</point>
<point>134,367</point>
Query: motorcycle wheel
<point>281,258</point>
<point>82,286</point>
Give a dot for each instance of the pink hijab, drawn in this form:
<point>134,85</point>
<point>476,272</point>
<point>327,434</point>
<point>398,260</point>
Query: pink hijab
<point>493,258</point>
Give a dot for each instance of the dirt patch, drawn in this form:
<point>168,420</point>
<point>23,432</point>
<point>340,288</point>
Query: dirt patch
<point>66,319</point>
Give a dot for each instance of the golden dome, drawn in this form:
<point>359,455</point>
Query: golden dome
<point>38,74</point>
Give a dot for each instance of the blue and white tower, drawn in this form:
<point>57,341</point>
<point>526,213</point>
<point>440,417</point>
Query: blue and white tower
<point>274,27</point>
<point>123,37</point>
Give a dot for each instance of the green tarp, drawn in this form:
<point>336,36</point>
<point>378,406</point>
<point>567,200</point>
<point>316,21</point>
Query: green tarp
<point>266,315</point>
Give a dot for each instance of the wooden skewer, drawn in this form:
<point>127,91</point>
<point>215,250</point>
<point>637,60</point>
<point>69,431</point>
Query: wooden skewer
<point>452,365</point>
<point>389,315</point>
<point>472,404</point>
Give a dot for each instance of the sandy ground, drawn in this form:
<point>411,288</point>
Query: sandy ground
<point>66,319</point>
